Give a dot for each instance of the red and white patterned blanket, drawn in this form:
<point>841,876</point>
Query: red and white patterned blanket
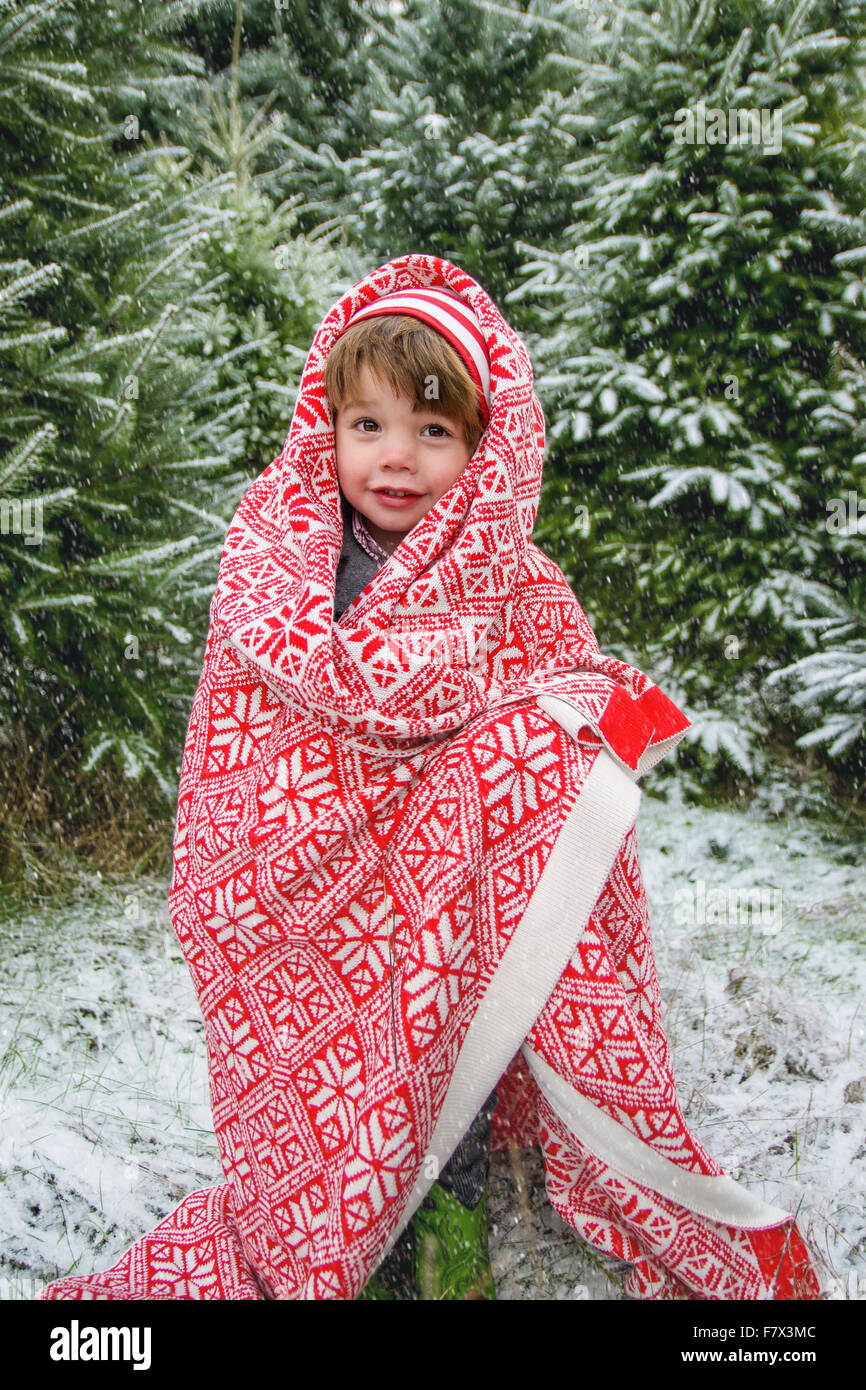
<point>405,871</point>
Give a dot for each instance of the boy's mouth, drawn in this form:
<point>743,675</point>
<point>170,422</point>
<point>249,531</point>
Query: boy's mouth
<point>395,496</point>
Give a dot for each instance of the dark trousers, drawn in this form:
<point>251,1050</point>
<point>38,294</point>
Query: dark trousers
<point>466,1172</point>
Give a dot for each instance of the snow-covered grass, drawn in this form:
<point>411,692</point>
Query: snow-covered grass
<point>103,1086</point>
<point>767,1019</point>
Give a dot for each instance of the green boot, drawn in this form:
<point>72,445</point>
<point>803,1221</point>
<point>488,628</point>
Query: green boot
<point>452,1260</point>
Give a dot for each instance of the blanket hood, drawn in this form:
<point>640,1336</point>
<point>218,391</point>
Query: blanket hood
<point>466,615</point>
<point>427,620</point>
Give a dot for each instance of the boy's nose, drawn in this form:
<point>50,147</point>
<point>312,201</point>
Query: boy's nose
<point>397,452</point>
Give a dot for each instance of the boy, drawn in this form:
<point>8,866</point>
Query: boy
<point>405,871</point>
<point>405,383</point>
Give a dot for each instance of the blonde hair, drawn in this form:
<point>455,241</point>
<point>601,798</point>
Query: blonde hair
<point>408,355</point>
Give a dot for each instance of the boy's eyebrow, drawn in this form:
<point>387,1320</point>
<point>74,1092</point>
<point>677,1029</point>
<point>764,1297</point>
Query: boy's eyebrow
<point>425,409</point>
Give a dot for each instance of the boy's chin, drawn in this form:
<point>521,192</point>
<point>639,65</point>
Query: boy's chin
<point>390,536</point>
<point>389,540</point>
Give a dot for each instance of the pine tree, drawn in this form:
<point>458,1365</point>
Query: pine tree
<point>145,299</point>
<point>469,127</point>
<point>308,58</point>
<point>703,361</point>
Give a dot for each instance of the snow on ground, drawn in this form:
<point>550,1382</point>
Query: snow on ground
<point>103,1085</point>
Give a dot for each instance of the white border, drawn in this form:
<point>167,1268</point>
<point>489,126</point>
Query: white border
<point>558,911</point>
<point>719,1199</point>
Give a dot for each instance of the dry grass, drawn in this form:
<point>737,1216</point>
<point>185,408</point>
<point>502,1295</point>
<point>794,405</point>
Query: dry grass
<point>57,833</point>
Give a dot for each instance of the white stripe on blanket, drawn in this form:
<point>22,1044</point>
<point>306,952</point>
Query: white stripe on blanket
<point>718,1199</point>
<point>541,947</point>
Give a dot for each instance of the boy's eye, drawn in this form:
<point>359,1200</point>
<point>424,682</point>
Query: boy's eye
<point>364,422</point>
<point>439,431</point>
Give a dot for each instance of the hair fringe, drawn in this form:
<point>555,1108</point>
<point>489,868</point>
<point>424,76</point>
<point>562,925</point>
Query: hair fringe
<point>408,355</point>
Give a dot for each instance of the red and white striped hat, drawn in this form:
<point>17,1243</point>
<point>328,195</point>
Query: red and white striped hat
<point>449,315</point>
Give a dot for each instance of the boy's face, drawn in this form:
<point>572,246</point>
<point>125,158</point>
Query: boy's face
<point>385,446</point>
